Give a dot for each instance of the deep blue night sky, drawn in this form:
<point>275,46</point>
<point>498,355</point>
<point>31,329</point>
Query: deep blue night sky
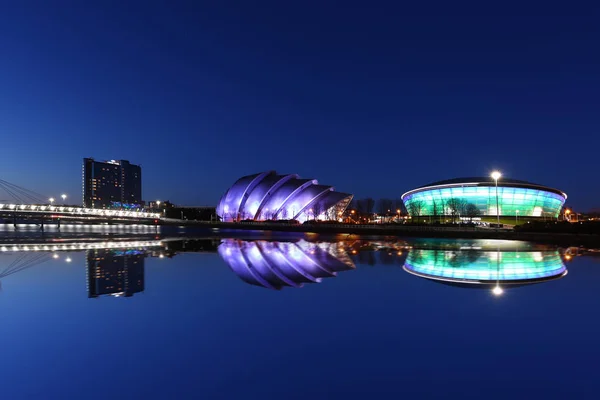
<point>373,99</point>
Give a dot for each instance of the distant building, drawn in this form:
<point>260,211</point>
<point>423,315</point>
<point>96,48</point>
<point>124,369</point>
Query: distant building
<point>271,196</point>
<point>110,184</point>
<point>117,273</point>
<point>509,197</point>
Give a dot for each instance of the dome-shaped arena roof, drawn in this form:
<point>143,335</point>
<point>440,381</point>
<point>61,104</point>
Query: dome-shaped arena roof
<point>479,179</point>
<point>268,195</point>
<point>484,181</point>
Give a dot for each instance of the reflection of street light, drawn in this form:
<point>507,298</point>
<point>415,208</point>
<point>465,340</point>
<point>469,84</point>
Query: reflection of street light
<point>68,259</point>
<point>54,255</point>
<point>497,290</point>
<point>496,175</point>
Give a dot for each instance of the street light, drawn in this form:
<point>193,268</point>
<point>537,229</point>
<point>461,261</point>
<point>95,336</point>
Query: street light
<point>497,175</point>
<point>158,204</point>
<point>51,200</point>
<point>64,197</point>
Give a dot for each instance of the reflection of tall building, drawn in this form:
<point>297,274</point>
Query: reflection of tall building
<point>109,183</point>
<point>275,265</point>
<point>115,272</point>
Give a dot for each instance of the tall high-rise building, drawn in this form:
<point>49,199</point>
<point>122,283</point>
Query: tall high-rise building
<point>115,272</point>
<point>111,183</point>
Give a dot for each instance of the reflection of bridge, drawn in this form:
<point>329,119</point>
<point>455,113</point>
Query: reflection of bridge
<point>23,261</point>
<point>78,246</point>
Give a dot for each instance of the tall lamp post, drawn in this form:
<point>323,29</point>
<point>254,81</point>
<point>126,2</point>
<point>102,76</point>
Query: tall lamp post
<point>496,175</point>
<point>51,200</point>
<point>64,197</point>
<point>517,217</point>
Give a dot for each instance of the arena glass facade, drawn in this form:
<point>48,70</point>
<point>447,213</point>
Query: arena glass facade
<point>270,196</point>
<point>514,197</point>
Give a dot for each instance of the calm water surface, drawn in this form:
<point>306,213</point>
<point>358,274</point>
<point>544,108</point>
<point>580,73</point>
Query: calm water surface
<point>296,318</point>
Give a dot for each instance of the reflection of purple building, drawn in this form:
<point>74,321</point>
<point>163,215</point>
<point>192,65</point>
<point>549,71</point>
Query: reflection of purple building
<point>271,196</point>
<point>278,264</point>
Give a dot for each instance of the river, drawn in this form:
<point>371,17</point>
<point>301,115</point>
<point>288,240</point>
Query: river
<point>149,315</point>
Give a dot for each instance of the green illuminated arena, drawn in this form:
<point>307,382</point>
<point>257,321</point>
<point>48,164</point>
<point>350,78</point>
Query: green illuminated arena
<point>471,197</point>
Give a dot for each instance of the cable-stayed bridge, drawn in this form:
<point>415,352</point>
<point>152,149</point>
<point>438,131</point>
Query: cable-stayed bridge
<point>27,204</point>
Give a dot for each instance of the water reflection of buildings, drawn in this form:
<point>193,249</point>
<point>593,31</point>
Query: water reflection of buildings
<point>275,265</point>
<point>486,269</point>
<point>116,267</point>
<point>115,272</point>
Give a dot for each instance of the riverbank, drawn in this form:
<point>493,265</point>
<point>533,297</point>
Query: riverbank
<point>559,239</point>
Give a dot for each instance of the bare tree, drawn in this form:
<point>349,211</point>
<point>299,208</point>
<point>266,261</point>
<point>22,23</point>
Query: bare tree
<point>385,206</point>
<point>361,206</point>
<point>434,210</point>
<point>332,214</point>
<point>399,205</point>
<point>370,205</point>
<point>415,207</point>
<point>456,206</point>
<point>472,211</point>
<point>306,212</point>
<point>317,209</point>
<point>284,213</point>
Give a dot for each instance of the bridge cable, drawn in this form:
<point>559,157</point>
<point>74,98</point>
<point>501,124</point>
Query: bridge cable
<point>25,190</point>
<point>13,195</point>
<point>29,194</point>
<point>23,262</point>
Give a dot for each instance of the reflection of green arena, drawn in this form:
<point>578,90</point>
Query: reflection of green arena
<point>458,196</point>
<point>473,266</point>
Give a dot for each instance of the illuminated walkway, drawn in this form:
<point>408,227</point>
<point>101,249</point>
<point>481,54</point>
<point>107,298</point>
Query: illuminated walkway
<point>69,211</point>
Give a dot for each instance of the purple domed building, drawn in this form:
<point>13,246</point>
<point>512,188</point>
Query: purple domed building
<point>270,196</point>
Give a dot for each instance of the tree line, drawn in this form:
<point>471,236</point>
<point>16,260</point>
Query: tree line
<point>454,207</point>
<point>384,207</point>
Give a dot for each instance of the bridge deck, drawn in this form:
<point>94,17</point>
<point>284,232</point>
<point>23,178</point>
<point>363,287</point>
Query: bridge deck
<point>35,209</point>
